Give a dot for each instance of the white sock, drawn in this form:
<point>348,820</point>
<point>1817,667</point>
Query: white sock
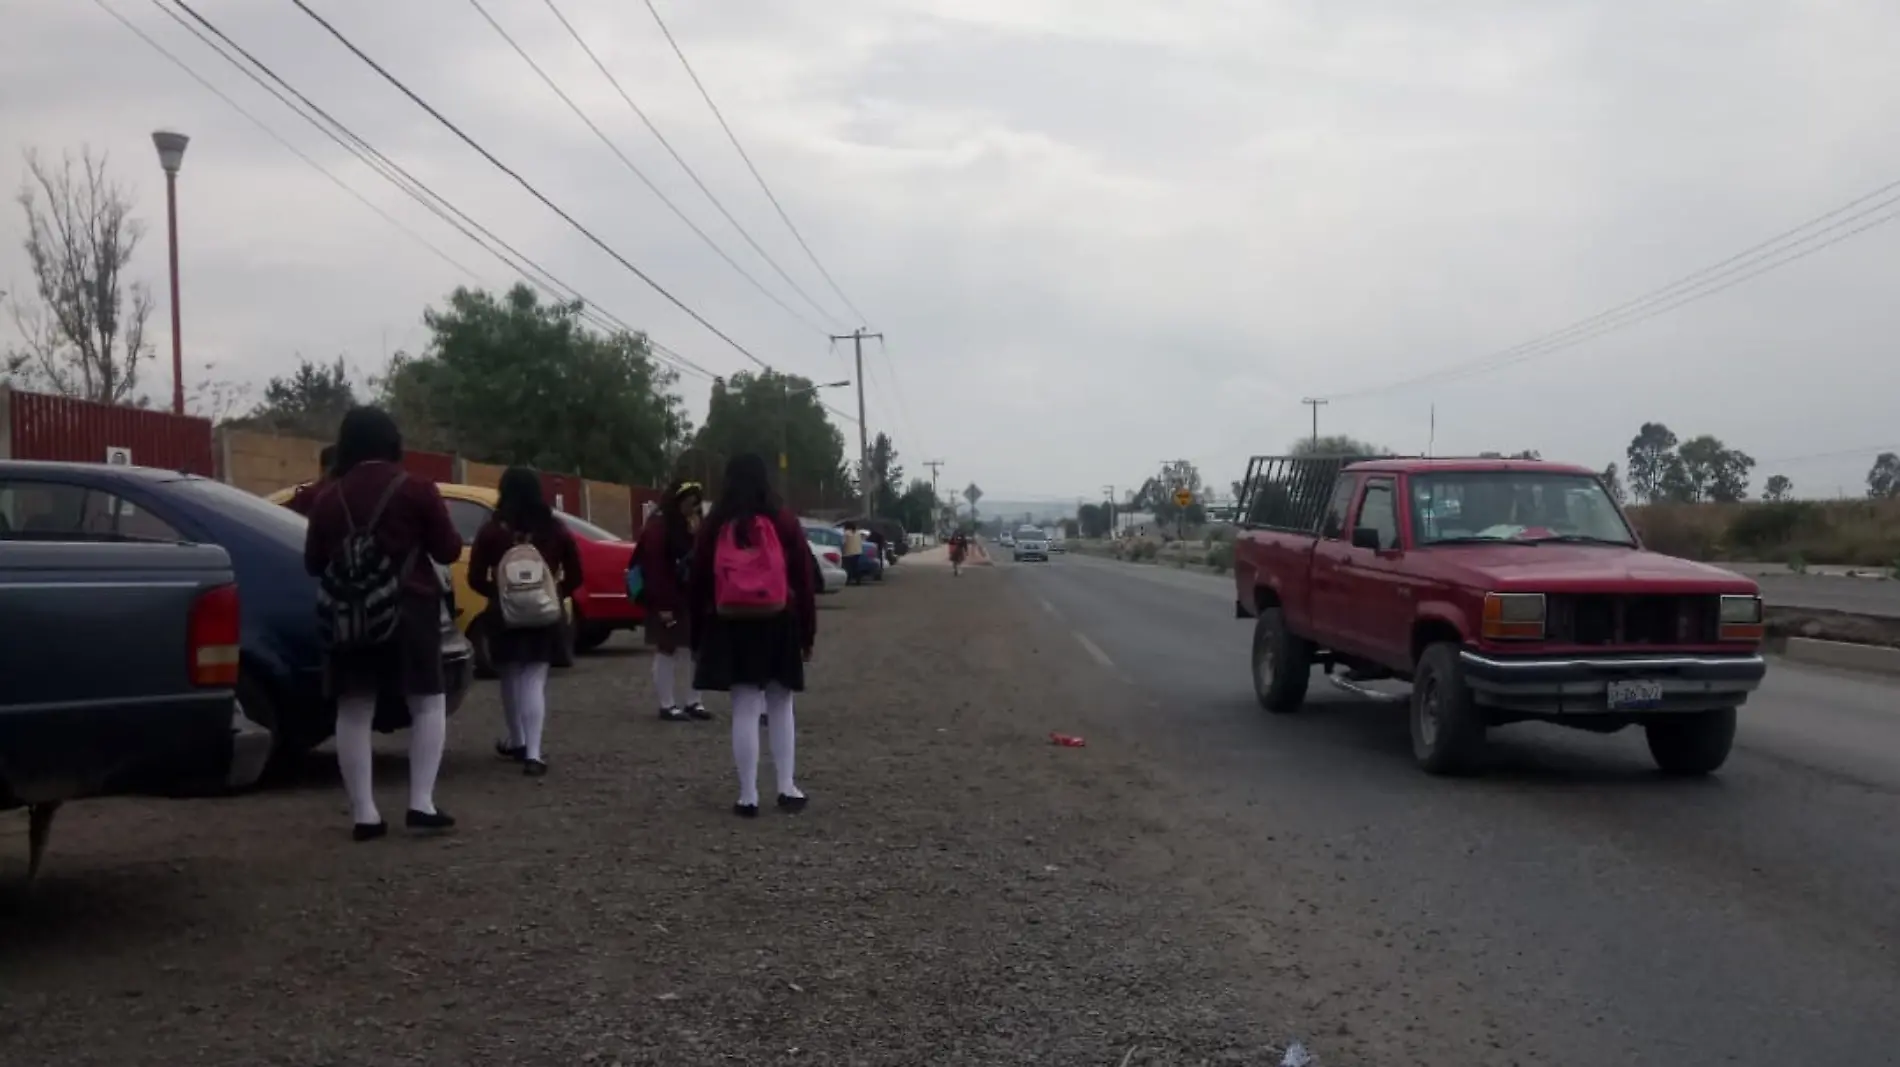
<point>533,705</point>
<point>511,701</point>
<point>663,679</point>
<point>748,704</point>
<point>685,659</point>
<point>355,713</point>
<point>428,733</point>
<point>778,711</point>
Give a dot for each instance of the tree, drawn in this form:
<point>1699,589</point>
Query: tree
<point>512,380</point>
<point>1612,483</point>
<point>1336,445</point>
<point>1712,471</point>
<point>917,507</point>
<point>759,412</point>
<point>1883,478</point>
<point>1093,519</point>
<point>1653,465</point>
<point>1156,495</point>
<point>84,333</point>
<point>886,475</point>
<point>1778,489</point>
<point>309,401</point>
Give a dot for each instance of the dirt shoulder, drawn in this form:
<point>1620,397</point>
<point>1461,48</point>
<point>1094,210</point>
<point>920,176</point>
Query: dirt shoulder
<point>961,890</point>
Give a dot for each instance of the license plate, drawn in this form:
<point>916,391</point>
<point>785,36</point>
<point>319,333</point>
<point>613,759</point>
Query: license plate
<point>1628,695</point>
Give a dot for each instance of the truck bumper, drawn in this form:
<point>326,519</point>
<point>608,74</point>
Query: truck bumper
<point>1580,685</point>
<point>183,746</point>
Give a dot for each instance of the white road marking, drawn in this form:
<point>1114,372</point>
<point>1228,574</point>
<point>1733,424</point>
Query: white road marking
<point>1095,650</point>
<point>1046,606</point>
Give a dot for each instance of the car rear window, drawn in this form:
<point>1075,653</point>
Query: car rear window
<point>276,521</point>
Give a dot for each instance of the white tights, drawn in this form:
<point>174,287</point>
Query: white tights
<point>524,704</point>
<point>428,732</point>
<point>775,703</point>
<point>666,669</point>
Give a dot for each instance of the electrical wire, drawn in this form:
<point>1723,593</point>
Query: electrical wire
<point>677,158</point>
<point>760,178</point>
<point>581,114</point>
<point>525,184</point>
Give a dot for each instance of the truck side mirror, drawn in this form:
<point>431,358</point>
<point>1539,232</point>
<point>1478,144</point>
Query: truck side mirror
<point>1366,537</point>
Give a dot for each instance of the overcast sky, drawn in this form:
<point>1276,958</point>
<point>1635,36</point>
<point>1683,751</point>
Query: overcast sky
<point>1098,233</point>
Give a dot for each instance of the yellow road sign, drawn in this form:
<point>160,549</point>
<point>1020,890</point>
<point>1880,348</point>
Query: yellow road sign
<point>1182,498</point>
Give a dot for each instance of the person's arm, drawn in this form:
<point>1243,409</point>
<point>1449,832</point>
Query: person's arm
<point>439,538</point>
<point>803,588</point>
<point>661,576</point>
<point>317,543</point>
<point>483,555</point>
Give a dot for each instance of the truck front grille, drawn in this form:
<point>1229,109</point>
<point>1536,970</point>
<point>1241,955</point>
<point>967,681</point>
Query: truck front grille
<point>1608,619</point>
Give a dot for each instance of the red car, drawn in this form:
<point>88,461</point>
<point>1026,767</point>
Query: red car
<point>602,605</point>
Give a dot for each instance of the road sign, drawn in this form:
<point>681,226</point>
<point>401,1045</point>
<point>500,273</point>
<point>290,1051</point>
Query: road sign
<point>1183,497</point>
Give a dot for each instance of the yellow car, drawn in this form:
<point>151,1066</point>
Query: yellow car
<point>469,508</point>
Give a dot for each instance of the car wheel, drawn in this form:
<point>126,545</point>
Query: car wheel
<point>1692,744</point>
<point>1282,664</point>
<point>1447,724</point>
<point>591,636</point>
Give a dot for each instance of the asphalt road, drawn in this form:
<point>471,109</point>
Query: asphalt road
<point>1861,596</point>
<point>1601,913</point>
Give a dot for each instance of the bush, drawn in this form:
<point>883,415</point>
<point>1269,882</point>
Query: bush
<point>1221,557</point>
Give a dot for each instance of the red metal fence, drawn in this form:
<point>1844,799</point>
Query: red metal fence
<point>435,466</point>
<point>80,431</point>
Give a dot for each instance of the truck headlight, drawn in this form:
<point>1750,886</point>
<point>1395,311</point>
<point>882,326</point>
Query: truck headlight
<point>1514,616</point>
<point>1741,619</point>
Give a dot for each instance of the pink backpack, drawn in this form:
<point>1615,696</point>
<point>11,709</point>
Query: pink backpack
<point>749,582</point>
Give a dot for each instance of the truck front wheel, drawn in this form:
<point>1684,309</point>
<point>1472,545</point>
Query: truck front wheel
<point>1447,725</point>
<point>1282,664</point>
<point>1692,744</point>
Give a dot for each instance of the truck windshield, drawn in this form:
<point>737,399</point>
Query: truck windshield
<point>1522,506</point>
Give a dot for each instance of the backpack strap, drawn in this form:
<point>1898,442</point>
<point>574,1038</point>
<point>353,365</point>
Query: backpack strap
<point>389,493</point>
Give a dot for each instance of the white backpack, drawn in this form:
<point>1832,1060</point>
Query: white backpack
<point>526,590</point>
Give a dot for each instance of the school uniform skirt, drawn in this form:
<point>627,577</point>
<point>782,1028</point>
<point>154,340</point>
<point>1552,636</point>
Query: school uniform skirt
<point>411,665</point>
<point>754,652</point>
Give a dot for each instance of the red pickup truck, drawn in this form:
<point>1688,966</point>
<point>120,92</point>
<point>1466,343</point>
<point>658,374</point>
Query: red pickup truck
<point>1503,590</point>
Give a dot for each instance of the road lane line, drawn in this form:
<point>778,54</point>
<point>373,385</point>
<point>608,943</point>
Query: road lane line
<point>1095,650</point>
<point>1046,606</point>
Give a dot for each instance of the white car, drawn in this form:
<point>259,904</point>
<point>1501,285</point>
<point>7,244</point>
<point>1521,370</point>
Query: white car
<point>1057,544</point>
<point>1030,543</point>
<point>827,556</point>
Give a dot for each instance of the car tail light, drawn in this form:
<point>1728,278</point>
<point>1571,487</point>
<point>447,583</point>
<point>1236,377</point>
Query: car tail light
<point>213,642</point>
<point>833,557</point>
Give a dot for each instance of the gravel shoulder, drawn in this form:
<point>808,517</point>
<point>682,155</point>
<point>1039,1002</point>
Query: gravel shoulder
<point>961,891</point>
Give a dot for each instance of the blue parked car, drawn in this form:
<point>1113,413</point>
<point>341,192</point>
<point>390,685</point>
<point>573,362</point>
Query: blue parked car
<point>280,683</point>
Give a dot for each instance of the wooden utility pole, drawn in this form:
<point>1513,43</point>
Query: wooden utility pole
<point>867,479</point>
<point>1315,403</point>
<point>936,506</point>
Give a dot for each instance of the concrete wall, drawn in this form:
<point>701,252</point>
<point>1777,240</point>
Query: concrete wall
<point>263,463</point>
<point>486,475</point>
<point>610,507</point>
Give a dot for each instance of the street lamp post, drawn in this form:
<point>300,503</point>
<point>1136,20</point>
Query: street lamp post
<point>785,431</point>
<point>171,153</point>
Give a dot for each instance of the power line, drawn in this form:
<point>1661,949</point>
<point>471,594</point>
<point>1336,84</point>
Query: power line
<point>1752,262</point>
<point>760,178</point>
<point>636,171</point>
<point>677,158</point>
<point>394,173</point>
<point>525,184</point>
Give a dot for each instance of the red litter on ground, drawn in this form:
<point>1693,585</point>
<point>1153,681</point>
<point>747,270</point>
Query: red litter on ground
<point>1067,741</point>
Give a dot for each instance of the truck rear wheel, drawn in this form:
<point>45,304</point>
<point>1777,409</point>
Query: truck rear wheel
<point>1282,664</point>
<point>1692,744</point>
<point>1447,724</point>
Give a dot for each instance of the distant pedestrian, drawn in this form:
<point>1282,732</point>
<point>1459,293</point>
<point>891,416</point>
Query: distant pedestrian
<point>853,553</point>
<point>959,547</point>
<point>305,497</point>
<point>664,555</point>
<point>380,608</point>
<point>753,620</point>
<point>526,563</point>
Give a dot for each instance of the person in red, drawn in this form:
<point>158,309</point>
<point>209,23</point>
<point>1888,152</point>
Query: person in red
<point>663,553</point>
<point>756,651</point>
<point>522,655</point>
<point>305,497</point>
<point>959,547</point>
<point>371,494</point>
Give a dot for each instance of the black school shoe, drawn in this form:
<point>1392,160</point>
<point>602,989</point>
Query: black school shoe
<point>746,811</point>
<point>517,753</point>
<point>674,715</point>
<point>698,711</point>
<point>435,821</point>
<point>792,805</point>
<point>534,768</point>
<point>368,831</point>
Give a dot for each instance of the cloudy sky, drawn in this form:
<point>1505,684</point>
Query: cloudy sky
<point>1098,233</point>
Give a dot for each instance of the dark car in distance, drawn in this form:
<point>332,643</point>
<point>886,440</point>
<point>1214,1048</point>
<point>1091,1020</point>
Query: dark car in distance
<point>280,670</point>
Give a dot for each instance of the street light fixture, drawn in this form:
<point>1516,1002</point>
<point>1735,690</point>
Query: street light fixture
<point>785,429</point>
<point>171,154</point>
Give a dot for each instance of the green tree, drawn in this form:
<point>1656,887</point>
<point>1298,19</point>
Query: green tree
<point>1156,495</point>
<point>1336,445</point>
<point>1094,519</point>
<point>917,507</point>
<point>510,379</point>
<point>886,476</point>
<point>1778,489</point>
<point>1654,469</point>
<point>1712,471</point>
<point>1883,478</point>
<point>762,411</point>
<point>309,401</point>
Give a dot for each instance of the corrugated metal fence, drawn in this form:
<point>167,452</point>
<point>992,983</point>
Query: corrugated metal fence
<point>79,431</point>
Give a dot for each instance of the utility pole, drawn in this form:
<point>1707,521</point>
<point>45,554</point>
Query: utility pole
<point>936,506</point>
<point>1110,490</point>
<point>1315,403</point>
<point>866,478</point>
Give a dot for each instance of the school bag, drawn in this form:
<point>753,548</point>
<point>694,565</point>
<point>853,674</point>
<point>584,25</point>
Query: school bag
<point>359,593</point>
<point>525,588</point>
<point>749,581</point>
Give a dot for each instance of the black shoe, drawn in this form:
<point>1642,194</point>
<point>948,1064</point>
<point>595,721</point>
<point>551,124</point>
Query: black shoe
<point>506,751</point>
<point>427,820</point>
<point>746,811</point>
<point>674,715</point>
<point>696,710</point>
<point>368,831</point>
<point>792,805</point>
<point>534,768</point>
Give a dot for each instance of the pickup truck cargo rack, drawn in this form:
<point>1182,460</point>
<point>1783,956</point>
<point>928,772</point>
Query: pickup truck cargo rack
<point>1290,493</point>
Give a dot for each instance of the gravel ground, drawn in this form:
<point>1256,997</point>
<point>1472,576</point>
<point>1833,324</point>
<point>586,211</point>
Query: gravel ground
<point>960,891</point>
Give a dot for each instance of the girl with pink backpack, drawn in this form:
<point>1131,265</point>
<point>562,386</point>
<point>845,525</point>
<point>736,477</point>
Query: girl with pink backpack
<point>753,619</point>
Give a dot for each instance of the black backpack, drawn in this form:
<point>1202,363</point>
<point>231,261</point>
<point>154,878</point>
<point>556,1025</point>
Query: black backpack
<point>359,594</point>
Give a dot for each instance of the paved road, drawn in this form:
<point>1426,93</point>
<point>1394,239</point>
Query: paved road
<point>1611,916</point>
<point>1862,596</point>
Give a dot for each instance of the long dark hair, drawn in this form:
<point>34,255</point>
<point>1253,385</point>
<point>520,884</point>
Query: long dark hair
<point>746,494</point>
<point>521,506</point>
<point>366,435</point>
